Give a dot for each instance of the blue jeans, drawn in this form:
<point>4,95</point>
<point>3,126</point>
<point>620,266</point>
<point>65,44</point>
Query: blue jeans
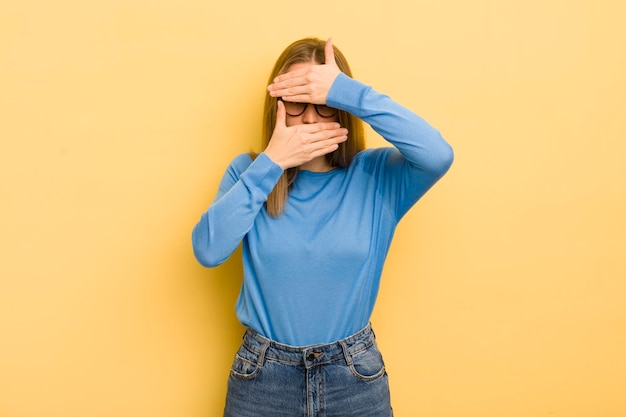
<point>345,378</point>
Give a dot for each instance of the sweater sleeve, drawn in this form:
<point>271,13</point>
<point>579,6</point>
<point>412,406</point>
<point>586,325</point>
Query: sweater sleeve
<point>243,191</point>
<point>421,156</point>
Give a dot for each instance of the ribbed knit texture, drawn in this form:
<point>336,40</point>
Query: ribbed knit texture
<point>312,275</point>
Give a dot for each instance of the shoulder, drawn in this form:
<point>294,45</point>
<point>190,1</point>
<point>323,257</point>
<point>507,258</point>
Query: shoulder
<point>372,157</point>
<point>241,162</point>
<point>255,167</point>
<point>376,153</point>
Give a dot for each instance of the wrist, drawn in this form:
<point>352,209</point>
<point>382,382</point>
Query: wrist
<point>274,158</point>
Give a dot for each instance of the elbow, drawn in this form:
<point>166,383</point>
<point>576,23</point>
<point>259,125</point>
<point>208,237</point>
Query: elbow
<point>204,254</point>
<point>447,157</point>
<point>205,259</point>
<point>442,158</point>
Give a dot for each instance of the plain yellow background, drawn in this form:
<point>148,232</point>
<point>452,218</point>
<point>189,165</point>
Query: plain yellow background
<point>504,292</point>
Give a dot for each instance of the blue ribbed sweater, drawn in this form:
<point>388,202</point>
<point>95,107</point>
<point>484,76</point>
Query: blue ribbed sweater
<point>312,275</point>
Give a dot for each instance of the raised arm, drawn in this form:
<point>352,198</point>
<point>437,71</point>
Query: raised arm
<point>422,155</point>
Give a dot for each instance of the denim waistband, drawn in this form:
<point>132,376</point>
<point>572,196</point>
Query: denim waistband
<point>312,355</point>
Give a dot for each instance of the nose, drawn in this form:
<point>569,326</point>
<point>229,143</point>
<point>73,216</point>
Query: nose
<point>309,115</point>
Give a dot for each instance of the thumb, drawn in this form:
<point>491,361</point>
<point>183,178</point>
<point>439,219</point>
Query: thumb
<point>281,115</point>
<point>329,52</point>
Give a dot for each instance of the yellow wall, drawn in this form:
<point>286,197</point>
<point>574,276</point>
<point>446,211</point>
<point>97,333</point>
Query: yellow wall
<point>504,290</point>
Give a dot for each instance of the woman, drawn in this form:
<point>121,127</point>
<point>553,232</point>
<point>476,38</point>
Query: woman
<point>316,213</point>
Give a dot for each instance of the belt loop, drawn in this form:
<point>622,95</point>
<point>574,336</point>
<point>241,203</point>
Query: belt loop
<point>266,345</point>
<point>346,353</point>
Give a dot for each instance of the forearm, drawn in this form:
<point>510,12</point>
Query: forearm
<point>420,143</point>
<point>240,199</point>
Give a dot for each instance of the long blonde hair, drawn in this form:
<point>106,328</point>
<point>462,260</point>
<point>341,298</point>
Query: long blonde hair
<point>308,50</point>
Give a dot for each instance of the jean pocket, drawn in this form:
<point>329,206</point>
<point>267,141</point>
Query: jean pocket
<point>368,365</point>
<point>246,364</point>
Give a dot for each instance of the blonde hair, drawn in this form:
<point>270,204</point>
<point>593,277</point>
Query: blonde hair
<point>308,50</point>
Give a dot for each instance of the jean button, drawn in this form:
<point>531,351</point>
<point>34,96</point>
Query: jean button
<point>311,357</point>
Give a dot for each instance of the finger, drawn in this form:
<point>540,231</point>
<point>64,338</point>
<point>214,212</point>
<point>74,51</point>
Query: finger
<point>288,86</point>
<point>328,136</point>
<point>329,52</point>
<point>287,95</point>
<point>291,74</point>
<point>325,146</point>
<point>281,115</point>
<point>324,150</point>
<point>322,127</point>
